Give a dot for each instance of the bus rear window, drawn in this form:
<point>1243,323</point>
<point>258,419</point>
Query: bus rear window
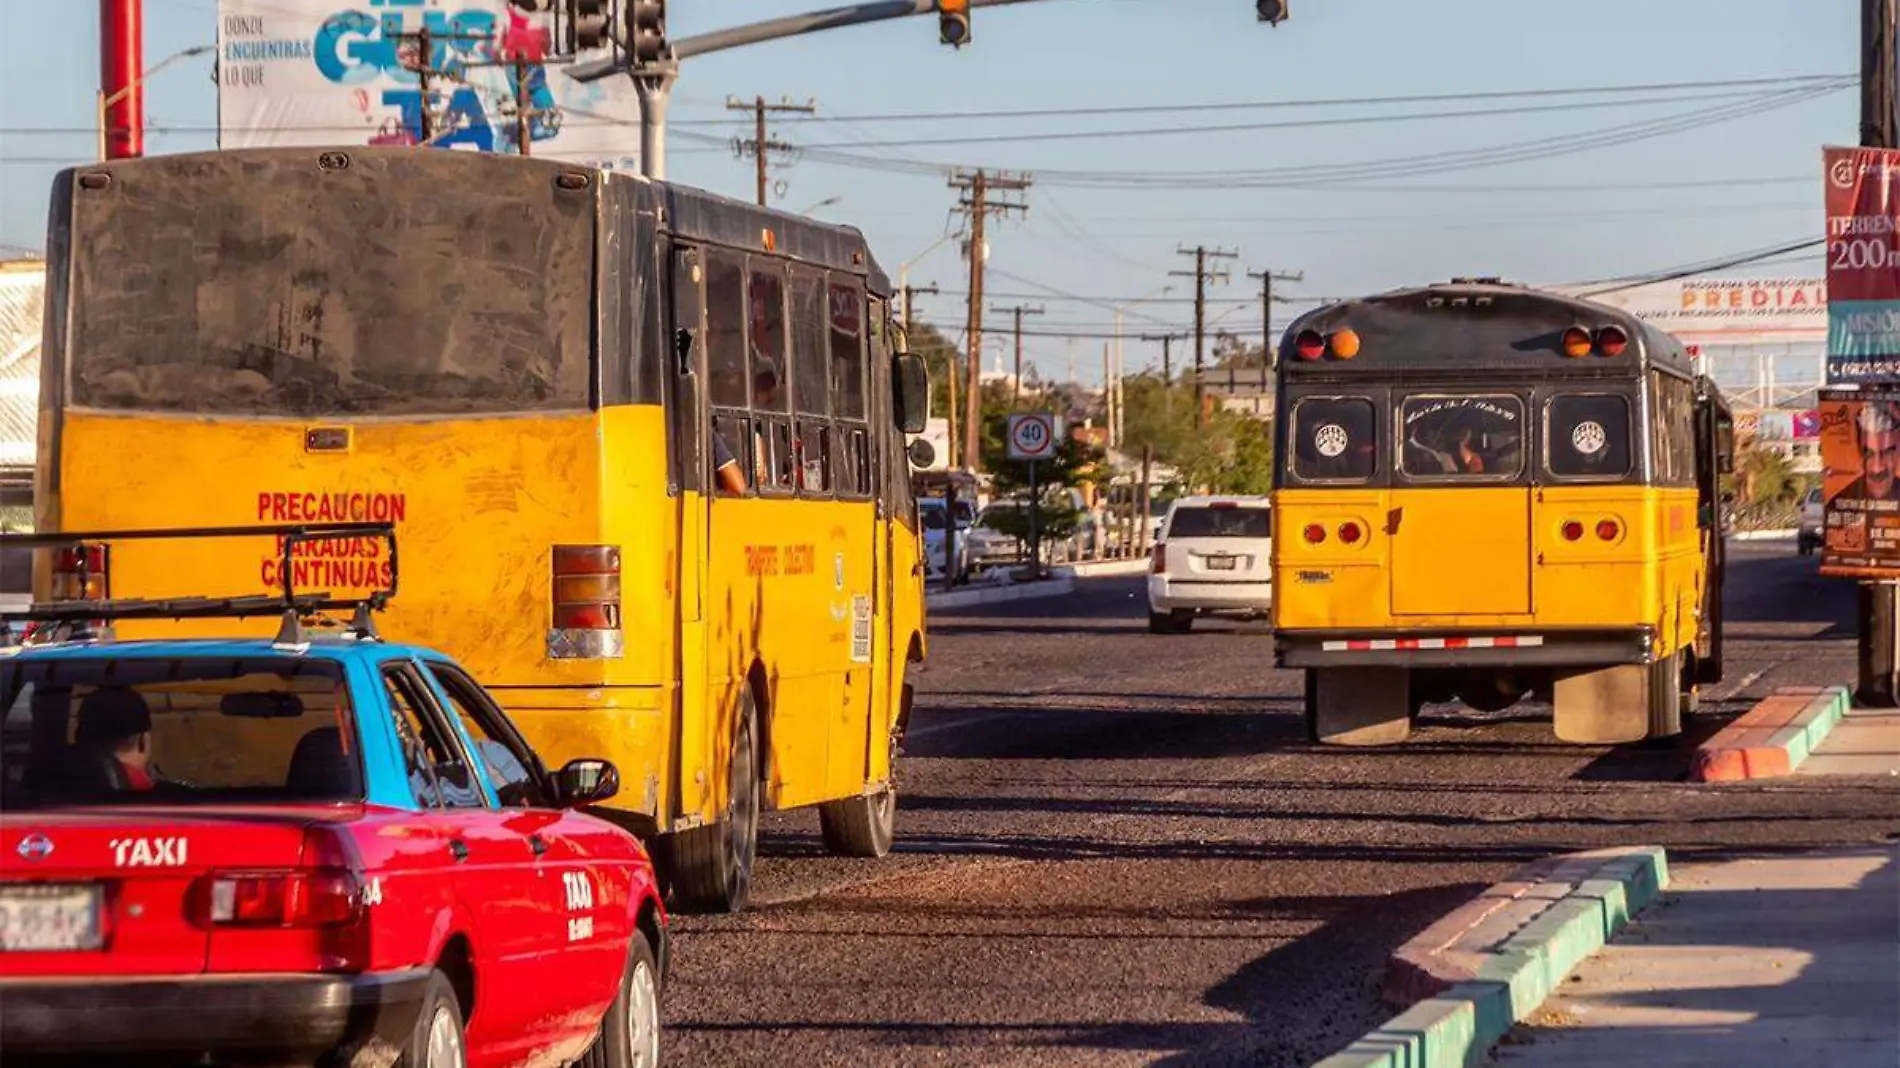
<point>1333,439</point>
<point>130,731</point>
<point>1588,435</point>
<point>415,283</point>
<point>1465,436</point>
<point>1228,522</point>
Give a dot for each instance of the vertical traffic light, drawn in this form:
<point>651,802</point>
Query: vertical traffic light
<point>586,24</point>
<point>1271,11</point>
<point>953,22</point>
<point>646,32</point>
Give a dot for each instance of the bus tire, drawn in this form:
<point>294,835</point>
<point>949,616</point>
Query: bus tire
<point>1665,697</point>
<point>860,826</point>
<point>712,865</point>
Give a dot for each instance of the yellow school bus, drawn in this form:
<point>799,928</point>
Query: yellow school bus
<point>1484,492</point>
<point>537,371</point>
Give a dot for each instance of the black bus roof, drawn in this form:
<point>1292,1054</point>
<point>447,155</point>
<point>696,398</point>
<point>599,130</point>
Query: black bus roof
<point>1477,325</point>
<point>686,212</point>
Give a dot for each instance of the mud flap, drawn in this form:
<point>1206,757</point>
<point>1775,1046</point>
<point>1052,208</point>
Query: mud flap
<point>1359,706</point>
<point>1608,706</point>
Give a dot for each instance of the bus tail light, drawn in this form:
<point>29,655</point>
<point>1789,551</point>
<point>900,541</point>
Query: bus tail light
<point>1577,342</point>
<point>586,600</point>
<point>1611,341</point>
<point>1159,565</point>
<point>1573,531</point>
<point>1608,529</point>
<point>1345,343</point>
<point>1350,533</point>
<point>1310,345</point>
<point>280,899</point>
<point>1314,533</point>
<point>81,572</point>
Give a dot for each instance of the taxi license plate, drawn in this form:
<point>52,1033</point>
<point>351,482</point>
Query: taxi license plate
<point>1220,563</point>
<point>49,918</point>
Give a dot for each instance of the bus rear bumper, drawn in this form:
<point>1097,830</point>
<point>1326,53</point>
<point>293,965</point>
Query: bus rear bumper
<point>1464,649</point>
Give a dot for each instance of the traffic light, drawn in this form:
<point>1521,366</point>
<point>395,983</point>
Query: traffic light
<point>646,32</point>
<point>953,22</point>
<point>586,24</point>
<point>1273,11</point>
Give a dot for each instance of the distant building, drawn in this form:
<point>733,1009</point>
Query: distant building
<point>1245,391</point>
<point>22,307</point>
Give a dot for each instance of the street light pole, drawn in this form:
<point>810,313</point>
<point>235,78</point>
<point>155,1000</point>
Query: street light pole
<point>105,101</point>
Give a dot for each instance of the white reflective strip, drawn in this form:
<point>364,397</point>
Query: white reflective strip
<point>1481,643</point>
<point>1385,644</point>
<point>1333,647</point>
<point>1431,643</point>
<point>1530,641</point>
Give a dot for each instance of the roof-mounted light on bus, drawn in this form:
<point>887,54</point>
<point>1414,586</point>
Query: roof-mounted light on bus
<point>768,239</point>
<point>1345,343</point>
<point>1577,342</point>
<point>80,573</point>
<point>1310,345</point>
<point>1611,341</point>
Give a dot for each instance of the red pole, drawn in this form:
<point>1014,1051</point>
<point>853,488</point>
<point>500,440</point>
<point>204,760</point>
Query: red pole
<point>121,63</point>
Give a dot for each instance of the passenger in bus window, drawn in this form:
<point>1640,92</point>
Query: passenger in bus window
<point>726,471</point>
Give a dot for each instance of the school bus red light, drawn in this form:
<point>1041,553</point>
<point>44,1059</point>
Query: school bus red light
<point>1611,341</point>
<point>1310,345</point>
<point>1345,344</point>
<point>1349,533</point>
<point>1314,533</point>
<point>1573,531</point>
<point>1577,342</point>
<point>1608,529</point>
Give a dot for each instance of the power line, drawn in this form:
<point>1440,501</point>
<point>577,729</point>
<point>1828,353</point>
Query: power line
<point>1710,266</point>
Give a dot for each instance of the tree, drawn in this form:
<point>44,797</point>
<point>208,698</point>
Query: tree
<point>1764,477</point>
<point>1229,453</point>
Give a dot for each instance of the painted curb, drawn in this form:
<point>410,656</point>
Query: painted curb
<point>1774,737</point>
<point>1514,975</point>
<point>1056,587</point>
<point>1106,568</point>
<point>1762,535</point>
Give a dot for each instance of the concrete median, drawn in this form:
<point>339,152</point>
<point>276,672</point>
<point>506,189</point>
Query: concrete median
<point>1774,737</point>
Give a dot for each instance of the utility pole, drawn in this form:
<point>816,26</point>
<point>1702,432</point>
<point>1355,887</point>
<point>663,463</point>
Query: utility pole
<point>976,187</point>
<point>1201,275</point>
<point>1267,278</point>
<point>1016,387</point>
<point>425,66</point>
<point>523,113</point>
<point>762,146</point>
<point>910,297</point>
<point>1879,659</point>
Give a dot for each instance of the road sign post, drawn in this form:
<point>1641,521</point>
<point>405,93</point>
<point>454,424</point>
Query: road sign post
<point>1031,438</point>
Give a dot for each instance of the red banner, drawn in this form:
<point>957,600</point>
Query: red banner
<point>1863,264</point>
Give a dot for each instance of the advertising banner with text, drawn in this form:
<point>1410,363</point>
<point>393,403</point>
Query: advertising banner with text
<point>1860,451</point>
<point>340,72</point>
<point>1863,265</point>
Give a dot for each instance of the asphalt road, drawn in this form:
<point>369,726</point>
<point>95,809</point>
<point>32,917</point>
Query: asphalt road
<point>1118,848</point>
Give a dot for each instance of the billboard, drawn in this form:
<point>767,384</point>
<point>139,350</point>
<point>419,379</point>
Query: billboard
<point>1860,454</point>
<point>1863,264</point>
<point>338,72</point>
<point>1724,311</point>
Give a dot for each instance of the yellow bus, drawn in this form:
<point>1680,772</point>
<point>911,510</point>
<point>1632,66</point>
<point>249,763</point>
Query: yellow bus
<point>537,371</point>
<point>1484,492</point>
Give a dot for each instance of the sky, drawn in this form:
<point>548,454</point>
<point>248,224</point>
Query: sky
<point>1653,175</point>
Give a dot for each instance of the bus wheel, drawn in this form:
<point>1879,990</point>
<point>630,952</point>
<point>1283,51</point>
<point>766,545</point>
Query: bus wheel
<point>712,865</point>
<point>1494,694</point>
<point>860,826</point>
<point>1359,706</point>
<point>1666,697</point>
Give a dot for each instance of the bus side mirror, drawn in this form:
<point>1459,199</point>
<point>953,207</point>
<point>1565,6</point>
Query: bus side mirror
<point>913,392</point>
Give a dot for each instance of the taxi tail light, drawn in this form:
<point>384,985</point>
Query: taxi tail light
<point>586,587</point>
<point>1608,529</point>
<point>80,573</point>
<point>1611,341</point>
<point>321,898</point>
<point>1159,565</point>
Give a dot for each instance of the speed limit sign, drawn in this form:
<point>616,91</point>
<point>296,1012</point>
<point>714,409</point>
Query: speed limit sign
<point>1032,436</point>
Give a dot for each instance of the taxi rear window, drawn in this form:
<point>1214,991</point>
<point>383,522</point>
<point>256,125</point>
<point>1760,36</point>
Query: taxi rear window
<point>151,730</point>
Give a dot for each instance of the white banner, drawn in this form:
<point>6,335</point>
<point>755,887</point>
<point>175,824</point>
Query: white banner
<point>1725,311</point>
<point>332,72</point>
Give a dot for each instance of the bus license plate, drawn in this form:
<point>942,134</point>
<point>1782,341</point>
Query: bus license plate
<point>1220,563</point>
<point>43,918</point>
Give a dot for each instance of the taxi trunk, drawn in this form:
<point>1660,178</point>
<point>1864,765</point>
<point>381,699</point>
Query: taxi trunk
<point>165,890</point>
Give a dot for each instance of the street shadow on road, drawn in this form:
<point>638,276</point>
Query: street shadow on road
<point>1188,731</point>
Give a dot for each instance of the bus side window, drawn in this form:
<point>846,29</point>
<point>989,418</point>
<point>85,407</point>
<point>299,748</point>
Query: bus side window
<point>725,329</point>
<point>734,431</point>
<point>846,318</point>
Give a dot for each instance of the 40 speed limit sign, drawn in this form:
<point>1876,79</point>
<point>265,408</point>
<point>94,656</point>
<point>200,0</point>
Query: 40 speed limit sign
<point>1032,436</point>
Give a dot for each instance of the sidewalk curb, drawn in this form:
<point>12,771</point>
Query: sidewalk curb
<point>1774,737</point>
<point>1520,939</point>
<point>1105,568</point>
<point>1058,586</point>
<point>1762,535</point>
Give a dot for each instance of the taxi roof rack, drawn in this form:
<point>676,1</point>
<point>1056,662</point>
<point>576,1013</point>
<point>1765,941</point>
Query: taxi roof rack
<point>73,620</point>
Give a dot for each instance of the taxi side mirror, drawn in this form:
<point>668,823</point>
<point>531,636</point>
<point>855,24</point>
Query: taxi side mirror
<point>587,782</point>
<point>913,392</point>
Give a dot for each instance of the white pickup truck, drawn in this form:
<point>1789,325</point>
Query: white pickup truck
<point>1807,534</point>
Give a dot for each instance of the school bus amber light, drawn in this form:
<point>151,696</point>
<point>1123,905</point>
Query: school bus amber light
<point>1345,343</point>
<point>1577,342</point>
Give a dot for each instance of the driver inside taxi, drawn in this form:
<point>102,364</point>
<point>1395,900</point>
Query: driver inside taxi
<point>112,747</point>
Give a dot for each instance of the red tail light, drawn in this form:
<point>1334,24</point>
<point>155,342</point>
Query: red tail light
<point>1573,531</point>
<point>1313,533</point>
<point>82,573</point>
<point>1607,529</point>
<point>1159,565</point>
<point>586,587</point>
<point>280,899</point>
<point>1310,345</point>
<point>1611,341</point>
<point>1349,533</point>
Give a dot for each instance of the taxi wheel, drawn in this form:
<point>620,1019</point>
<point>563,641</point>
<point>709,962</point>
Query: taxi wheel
<point>712,865</point>
<point>630,1032</point>
<point>437,1041</point>
<point>860,826</point>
